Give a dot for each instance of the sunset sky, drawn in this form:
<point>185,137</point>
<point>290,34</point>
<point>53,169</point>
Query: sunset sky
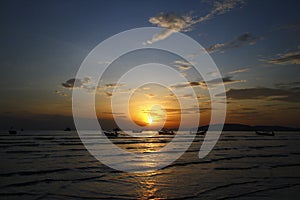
<point>255,44</point>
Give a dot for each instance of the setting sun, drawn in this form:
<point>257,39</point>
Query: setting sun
<point>149,119</point>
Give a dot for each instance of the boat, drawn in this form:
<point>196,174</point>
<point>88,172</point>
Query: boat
<point>267,133</point>
<point>67,129</point>
<point>112,133</point>
<point>12,131</point>
<point>166,132</point>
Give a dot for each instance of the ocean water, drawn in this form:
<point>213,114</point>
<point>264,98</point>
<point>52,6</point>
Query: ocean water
<point>56,165</point>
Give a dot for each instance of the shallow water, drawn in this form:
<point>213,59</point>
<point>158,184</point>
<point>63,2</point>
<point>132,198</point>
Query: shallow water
<point>55,165</point>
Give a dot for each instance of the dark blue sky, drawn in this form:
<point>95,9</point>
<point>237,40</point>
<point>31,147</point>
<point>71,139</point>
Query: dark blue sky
<point>44,42</point>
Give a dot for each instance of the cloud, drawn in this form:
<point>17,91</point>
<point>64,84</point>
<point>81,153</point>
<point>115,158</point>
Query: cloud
<point>146,88</point>
<point>225,80</point>
<point>291,26</point>
<point>239,71</point>
<point>287,58</point>
<point>150,95</point>
<point>213,73</point>
<point>76,83</point>
<point>182,111</point>
<point>204,85</point>
<point>110,86</point>
<point>176,23</point>
<point>292,86</point>
<point>109,94</point>
<point>242,40</point>
<point>182,65</point>
<point>263,93</point>
<point>90,86</point>
<point>243,113</point>
<point>183,74</point>
<point>172,22</point>
<point>295,84</point>
<point>108,89</point>
<point>202,97</point>
<point>113,85</point>
<point>247,109</point>
<point>124,91</point>
<point>188,84</point>
<point>170,95</point>
<point>69,83</point>
<point>60,93</point>
<point>189,96</point>
<point>221,7</point>
<point>112,113</point>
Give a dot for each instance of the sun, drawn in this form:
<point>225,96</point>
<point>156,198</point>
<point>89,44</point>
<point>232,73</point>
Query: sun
<point>150,119</point>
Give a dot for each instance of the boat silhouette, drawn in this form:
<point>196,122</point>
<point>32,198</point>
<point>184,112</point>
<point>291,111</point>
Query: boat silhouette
<point>267,133</point>
<point>12,131</point>
<point>166,132</point>
<point>112,133</point>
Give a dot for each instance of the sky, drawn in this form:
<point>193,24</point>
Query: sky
<point>255,44</point>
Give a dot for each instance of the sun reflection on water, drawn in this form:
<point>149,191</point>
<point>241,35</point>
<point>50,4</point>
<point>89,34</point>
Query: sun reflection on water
<point>148,186</point>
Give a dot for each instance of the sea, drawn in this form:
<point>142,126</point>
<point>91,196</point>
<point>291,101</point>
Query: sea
<point>242,165</point>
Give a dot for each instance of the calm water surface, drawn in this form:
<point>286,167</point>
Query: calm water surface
<point>55,165</point>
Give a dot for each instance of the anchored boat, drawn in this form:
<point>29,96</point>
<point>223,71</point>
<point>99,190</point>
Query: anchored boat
<point>166,132</point>
<point>268,133</point>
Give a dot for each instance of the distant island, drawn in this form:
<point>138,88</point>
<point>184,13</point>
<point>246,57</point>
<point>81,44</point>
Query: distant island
<point>244,127</point>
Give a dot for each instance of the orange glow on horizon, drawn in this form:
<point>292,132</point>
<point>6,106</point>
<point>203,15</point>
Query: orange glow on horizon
<point>159,110</point>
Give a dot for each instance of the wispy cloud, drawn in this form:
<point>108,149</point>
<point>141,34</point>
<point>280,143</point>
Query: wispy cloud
<point>189,84</point>
<point>242,40</point>
<point>239,71</point>
<point>294,86</point>
<point>90,86</point>
<point>204,85</point>
<point>291,26</point>
<point>183,23</point>
<point>60,93</point>
<point>171,95</point>
<point>182,65</point>
<point>113,113</point>
<point>188,96</point>
<point>286,58</point>
<point>150,95</point>
<point>263,93</point>
<point>172,22</point>
<point>221,7</point>
<point>109,94</point>
<point>225,80</point>
<point>114,85</point>
<point>243,113</point>
<point>191,110</point>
